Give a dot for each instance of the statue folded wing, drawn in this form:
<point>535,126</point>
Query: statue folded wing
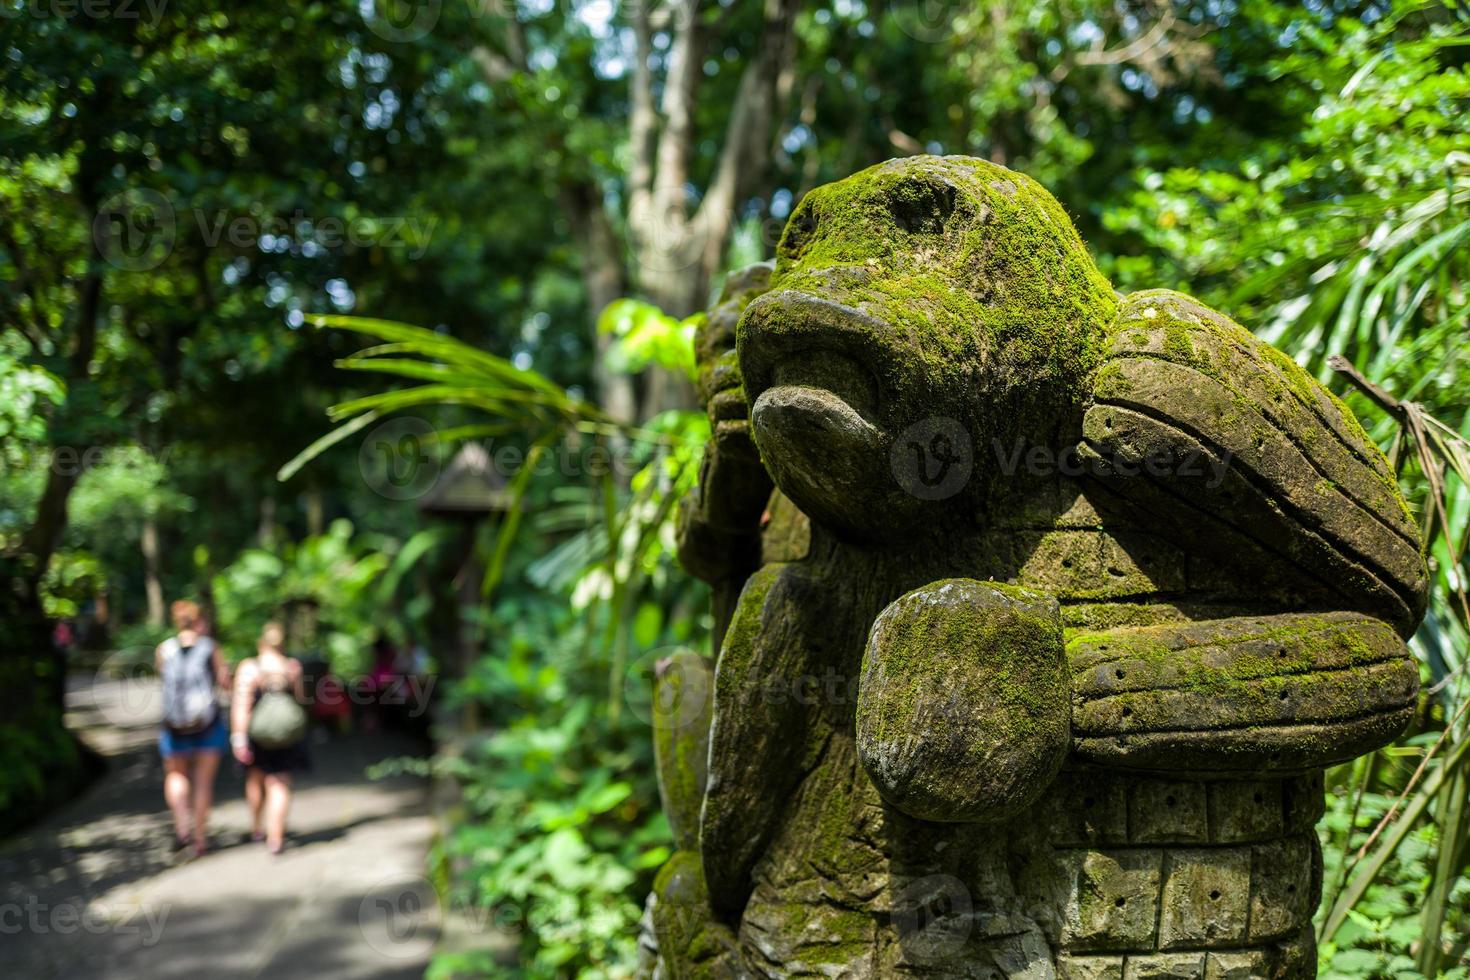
<point>1206,428</point>
<point>1286,468</point>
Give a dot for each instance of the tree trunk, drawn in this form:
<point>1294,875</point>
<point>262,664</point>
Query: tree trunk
<point>677,253</point>
<point>315,519</point>
<point>602,278</point>
<point>265,532</point>
<point>152,585</point>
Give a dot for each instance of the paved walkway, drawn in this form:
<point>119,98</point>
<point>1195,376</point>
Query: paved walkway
<point>93,891</point>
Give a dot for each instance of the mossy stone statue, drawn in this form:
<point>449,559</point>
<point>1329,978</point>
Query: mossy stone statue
<point>1041,611</point>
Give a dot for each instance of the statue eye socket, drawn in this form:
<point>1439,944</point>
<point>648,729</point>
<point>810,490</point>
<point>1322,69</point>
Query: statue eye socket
<point>922,207</point>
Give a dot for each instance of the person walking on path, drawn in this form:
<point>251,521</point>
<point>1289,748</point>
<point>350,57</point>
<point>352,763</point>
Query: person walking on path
<point>268,734</point>
<point>193,736</point>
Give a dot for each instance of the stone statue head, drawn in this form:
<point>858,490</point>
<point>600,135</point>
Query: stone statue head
<point>945,302</point>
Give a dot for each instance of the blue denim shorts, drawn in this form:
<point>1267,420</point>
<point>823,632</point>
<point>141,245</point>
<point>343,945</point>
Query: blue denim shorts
<point>215,738</point>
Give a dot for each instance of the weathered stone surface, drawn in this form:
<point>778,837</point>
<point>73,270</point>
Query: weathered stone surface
<point>1206,898</point>
<point>961,420</point>
<point>756,730</point>
<point>1181,378</point>
<point>719,524</point>
<point>1281,692</point>
<point>964,700</point>
<point>1305,803</point>
<point>1282,899</point>
<point>683,702</point>
<point>1245,811</point>
<point>1085,565</point>
<point>692,945</point>
<point>1086,808</point>
<point>1241,965</point>
<point>1167,966</point>
<point>1116,903</point>
<point>787,535</point>
<point>1090,968</point>
<point>1167,812</point>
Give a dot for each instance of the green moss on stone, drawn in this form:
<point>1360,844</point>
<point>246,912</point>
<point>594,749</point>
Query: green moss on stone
<point>981,300</point>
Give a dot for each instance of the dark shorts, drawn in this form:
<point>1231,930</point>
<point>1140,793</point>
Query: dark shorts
<point>215,738</point>
<point>273,762</point>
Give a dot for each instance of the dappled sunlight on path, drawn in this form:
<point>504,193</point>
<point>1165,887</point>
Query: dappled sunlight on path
<point>94,890</point>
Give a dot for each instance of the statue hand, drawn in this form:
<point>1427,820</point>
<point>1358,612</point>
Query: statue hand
<point>964,702</point>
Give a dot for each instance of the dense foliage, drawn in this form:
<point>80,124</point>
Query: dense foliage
<point>181,193</point>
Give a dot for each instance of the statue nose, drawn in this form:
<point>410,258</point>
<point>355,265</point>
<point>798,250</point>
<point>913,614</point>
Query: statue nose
<point>815,436</point>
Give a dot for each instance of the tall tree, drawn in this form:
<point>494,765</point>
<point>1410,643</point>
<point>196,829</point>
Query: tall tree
<point>655,217</point>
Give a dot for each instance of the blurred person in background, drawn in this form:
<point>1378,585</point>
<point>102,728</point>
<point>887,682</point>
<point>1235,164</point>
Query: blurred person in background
<point>193,736</point>
<point>268,734</point>
<point>381,685</point>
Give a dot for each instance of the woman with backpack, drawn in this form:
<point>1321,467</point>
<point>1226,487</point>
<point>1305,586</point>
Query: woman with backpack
<point>193,736</point>
<point>268,733</point>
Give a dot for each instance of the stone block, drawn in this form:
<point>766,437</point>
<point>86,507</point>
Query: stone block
<point>1281,899</point>
<point>1304,802</point>
<point>1090,968</point>
<point>1115,905</point>
<point>1167,812</point>
<point>1089,809</point>
<point>1165,966</point>
<point>1246,811</point>
<point>1206,898</point>
<point>1295,960</point>
<point>1241,964</point>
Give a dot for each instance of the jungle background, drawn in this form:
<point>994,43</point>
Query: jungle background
<point>526,206</point>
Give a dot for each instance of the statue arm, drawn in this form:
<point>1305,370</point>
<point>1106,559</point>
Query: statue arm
<point>756,741</point>
<point>965,710</point>
<point>1243,694</point>
<point>963,701</point>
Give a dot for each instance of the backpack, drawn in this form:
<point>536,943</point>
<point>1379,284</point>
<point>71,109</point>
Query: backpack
<point>189,703</point>
<point>278,720</point>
